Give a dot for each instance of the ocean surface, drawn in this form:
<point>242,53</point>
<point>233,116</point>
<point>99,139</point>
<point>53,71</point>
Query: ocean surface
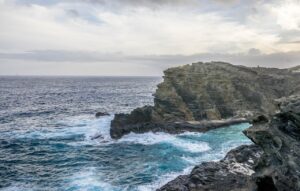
<point>46,126</point>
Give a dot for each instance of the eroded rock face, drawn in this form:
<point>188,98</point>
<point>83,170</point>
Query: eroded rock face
<point>213,91</point>
<point>232,173</point>
<point>279,167</point>
<point>219,90</point>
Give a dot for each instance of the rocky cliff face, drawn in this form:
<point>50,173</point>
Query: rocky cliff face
<point>210,91</point>
<point>279,166</point>
<point>219,90</point>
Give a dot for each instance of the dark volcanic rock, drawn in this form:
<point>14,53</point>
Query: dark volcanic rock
<point>168,127</point>
<point>100,114</point>
<point>212,91</point>
<point>279,167</point>
<point>231,173</point>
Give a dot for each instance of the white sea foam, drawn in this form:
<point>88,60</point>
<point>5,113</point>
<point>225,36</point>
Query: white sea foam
<point>155,138</point>
<point>96,131</point>
<point>88,179</point>
<point>163,180</point>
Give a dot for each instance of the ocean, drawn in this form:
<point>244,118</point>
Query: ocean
<point>46,130</point>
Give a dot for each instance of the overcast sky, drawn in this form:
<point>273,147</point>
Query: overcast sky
<point>144,37</point>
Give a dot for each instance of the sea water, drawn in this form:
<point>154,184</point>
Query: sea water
<point>46,130</point>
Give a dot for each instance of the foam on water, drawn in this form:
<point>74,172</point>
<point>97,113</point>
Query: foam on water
<point>156,138</point>
<point>163,180</point>
<point>88,180</point>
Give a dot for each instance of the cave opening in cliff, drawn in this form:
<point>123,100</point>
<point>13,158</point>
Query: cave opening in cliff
<point>265,183</point>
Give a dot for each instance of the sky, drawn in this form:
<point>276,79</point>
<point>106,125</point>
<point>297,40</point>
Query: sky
<point>144,37</point>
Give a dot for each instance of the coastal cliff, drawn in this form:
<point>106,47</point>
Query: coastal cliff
<point>279,166</point>
<point>272,164</point>
<point>191,94</point>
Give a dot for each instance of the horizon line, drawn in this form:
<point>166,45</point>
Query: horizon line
<point>38,75</point>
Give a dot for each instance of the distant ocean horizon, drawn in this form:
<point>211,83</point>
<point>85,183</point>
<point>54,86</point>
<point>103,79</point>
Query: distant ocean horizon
<point>47,124</point>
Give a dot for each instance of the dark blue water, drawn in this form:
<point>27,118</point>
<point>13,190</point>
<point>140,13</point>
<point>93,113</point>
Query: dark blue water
<point>46,125</point>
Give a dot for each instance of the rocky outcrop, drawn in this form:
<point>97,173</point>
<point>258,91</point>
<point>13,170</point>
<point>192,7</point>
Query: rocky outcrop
<point>279,166</point>
<point>211,91</point>
<point>233,173</point>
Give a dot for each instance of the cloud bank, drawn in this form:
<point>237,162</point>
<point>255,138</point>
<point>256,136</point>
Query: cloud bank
<point>143,37</point>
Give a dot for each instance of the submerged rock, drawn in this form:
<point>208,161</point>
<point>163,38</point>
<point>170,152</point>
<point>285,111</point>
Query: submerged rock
<point>231,173</point>
<point>279,167</point>
<point>100,114</point>
<point>211,91</point>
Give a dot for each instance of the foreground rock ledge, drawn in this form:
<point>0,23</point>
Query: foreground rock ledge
<point>231,173</point>
<point>209,91</point>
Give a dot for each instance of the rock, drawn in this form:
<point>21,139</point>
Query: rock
<point>100,114</point>
<point>231,173</point>
<point>212,91</point>
<point>260,119</point>
<point>279,166</point>
<point>170,127</point>
<point>97,136</point>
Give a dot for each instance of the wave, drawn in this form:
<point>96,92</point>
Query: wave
<point>88,179</point>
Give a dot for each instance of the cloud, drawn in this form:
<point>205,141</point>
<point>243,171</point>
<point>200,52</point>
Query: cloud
<point>139,31</point>
<point>288,14</point>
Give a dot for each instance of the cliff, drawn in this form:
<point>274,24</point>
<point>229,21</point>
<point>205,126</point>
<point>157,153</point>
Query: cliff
<point>210,91</point>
